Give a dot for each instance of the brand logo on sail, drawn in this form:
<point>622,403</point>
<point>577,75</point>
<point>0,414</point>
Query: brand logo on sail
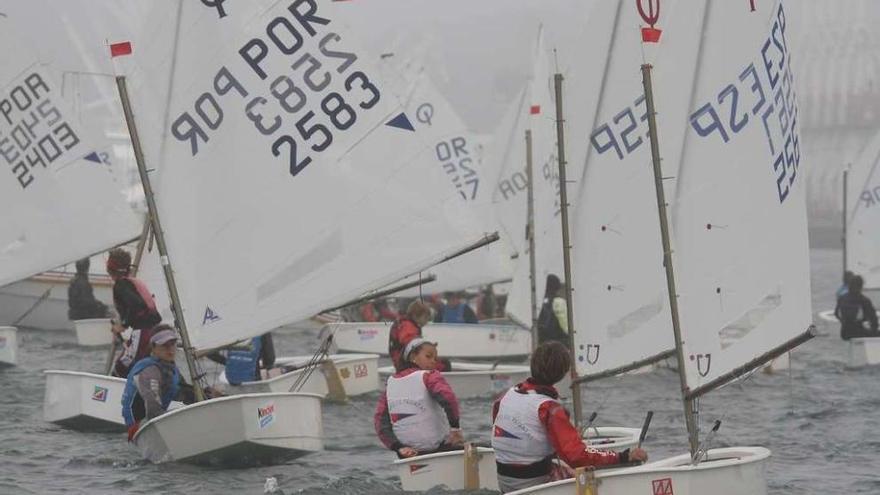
<point>210,316</point>
<point>266,415</point>
<point>216,4</point>
<point>592,357</point>
<point>704,363</point>
<point>650,34</point>
<point>662,487</point>
<point>100,394</point>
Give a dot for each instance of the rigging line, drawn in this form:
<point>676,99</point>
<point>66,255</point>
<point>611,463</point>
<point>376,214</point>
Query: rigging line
<point>312,364</point>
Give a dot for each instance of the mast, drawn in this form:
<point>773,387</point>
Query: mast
<point>530,235</point>
<point>160,237</point>
<point>843,220</point>
<point>566,246</point>
<point>689,410</point>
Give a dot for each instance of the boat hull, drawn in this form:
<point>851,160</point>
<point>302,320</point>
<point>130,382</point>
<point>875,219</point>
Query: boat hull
<point>458,341</point>
<point>863,352</point>
<point>424,472</point>
<point>238,430</point>
<point>469,380</point>
<point>728,471</point>
<point>93,332</point>
<point>8,346</point>
<point>20,297</point>
<point>83,401</point>
<point>358,374</point>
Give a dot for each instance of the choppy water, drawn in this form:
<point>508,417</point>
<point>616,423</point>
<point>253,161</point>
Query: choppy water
<point>820,422</point>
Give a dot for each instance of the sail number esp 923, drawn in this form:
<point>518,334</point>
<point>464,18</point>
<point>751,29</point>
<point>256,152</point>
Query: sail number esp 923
<point>319,94</point>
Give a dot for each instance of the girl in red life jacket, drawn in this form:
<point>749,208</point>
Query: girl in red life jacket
<point>136,309</point>
<point>407,328</point>
<point>531,428</point>
<point>418,412</point>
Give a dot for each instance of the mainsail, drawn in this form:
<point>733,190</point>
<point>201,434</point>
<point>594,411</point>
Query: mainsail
<point>533,111</point>
<point>741,251</point>
<point>60,199</point>
<point>289,178</point>
<point>863,215</point>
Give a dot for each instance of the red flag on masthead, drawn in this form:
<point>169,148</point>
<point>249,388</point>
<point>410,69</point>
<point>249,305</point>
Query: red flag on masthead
<point>121,48</point>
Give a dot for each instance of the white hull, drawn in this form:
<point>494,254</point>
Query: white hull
<point>729,471</point>
<point>93,332</point>
<point>83,401</point>
<point>239,430</point>
<point>864,351</point>
<point>8,346</point>
<point>469,380</point>
<point>424,472</point>
<point>18,298</point>
<point>459,341</point>
<point>357,372</point>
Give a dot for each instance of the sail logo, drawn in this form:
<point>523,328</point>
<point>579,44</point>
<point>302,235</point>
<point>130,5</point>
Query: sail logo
<point>592,357</point>
<point>100,394</point>
<point>662,487</point>
<point>761,96</point>
<point>216,4</point>
<point>703,362</point>
<point>266,415</point>
<point>210,316</point>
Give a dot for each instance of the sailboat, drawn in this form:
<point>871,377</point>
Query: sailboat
<point>61,204</point>
<point>738,264</point>
<point>254,246</point>
<point>860,240</point>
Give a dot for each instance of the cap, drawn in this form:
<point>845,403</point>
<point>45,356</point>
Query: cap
<point>413,345</point>
<point>163,337</point>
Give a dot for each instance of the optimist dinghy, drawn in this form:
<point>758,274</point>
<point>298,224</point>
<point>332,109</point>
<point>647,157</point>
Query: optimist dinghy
<point>458,341</point>
<point>247,429</point>
<point>347,375</point>
<point>204,217</point>
<point>452,469</point>
<point>739,265</point>
<point>83,401</point>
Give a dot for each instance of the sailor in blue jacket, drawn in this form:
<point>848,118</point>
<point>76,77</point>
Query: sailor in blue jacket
<point>153,382</point>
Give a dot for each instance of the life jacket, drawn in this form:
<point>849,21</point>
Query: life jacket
<point>149,316</point>
<point>130,394</point>
<point>417,419</point>
<point>241,364</point>
<point>518,436</point>
<point>453,315</point>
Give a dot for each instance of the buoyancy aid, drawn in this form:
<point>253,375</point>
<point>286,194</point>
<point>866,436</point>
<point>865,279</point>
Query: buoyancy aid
<point>149,316</point>
<point>518,436</point>
<point>131,392</point>
<point>417,419</point>
<point>453,314</point>
<point>241,364</point>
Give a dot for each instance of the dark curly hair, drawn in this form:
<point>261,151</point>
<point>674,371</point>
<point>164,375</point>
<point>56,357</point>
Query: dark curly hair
<point>550,362</point>
<point>119,261</point>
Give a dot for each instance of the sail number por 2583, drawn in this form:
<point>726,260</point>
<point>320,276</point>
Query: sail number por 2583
<point>300,108</point>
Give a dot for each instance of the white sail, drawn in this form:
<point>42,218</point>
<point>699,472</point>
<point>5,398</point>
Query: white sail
<point>534,111</point>
<point>454,151</point>
<point>620,298</point>
<point>741,252</point>
<point>863,215</point>
<point>288,182</point>
<point>60,200</point>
